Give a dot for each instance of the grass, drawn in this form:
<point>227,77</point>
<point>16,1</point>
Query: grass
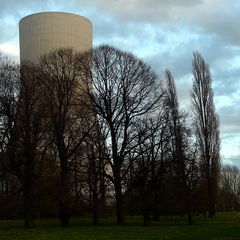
<point>225,226</point>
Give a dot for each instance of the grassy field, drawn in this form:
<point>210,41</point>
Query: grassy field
<point>225,226</point>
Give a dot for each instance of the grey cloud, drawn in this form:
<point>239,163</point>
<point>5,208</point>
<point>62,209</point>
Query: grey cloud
<point>140,10</point>
<point>219,19</point>
<point>15,7</point>
<point>229,118</point>
<point>6,34</point>
<point>12,11</point>
<point>226,84</point>
<point>222,20</point>
<point>234,160</point>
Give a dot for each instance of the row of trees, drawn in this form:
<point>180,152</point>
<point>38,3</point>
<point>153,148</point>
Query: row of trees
<point>229,199</point>
<point>88,127</point>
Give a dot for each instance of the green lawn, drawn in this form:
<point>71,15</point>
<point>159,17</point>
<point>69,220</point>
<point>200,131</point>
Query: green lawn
<point>224,226</point>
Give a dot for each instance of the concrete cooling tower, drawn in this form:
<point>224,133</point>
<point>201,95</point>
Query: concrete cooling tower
<point>44,32</point>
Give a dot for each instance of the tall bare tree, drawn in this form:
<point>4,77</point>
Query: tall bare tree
<point>70,121</point>
<point>32,132</point>
<point>184,160</point>
<point>123,89</point>
<point>206,125</point>
<point>23,129</point>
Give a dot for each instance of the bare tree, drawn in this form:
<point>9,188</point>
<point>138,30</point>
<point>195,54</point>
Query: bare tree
<point>151,164</point>
<point>206,125</point>
<point>70,121</point>
<point>23,132</point>
<point>184,158</point>
<point>230,182</point>
<point>9,93</point>
<point>32,135</point>
<point>97,171</point>
<point>122,90</point>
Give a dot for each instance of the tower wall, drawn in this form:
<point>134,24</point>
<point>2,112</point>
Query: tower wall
<point>44,32</point>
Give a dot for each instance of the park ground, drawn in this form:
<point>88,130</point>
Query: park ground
<point>225,226</point>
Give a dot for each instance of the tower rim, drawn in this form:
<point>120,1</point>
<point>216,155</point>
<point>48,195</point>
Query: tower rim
<point>54,13</point>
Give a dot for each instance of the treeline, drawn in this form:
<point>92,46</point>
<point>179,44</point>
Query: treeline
<point>99,132</point>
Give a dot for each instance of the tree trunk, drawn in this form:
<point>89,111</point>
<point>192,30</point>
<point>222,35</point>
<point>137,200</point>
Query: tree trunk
<point>119,203</point>
<point>190,217</point>
<point>95,215</point>
<point>156,214</point>
<point>146,218</point>
<point>28,206</point>
<point>64,211</point>
<point>95,204</point>
<point>189,207</point>
<point>211,199</point>
<point>28,186</point>
<point>64,214</point>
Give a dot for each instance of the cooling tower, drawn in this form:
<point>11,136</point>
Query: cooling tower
<point>44,32</point>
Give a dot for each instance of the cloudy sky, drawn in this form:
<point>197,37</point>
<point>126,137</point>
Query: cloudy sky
<point>164,33</point>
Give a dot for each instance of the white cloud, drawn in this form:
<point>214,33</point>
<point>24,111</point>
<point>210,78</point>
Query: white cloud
<point>9,49</point>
